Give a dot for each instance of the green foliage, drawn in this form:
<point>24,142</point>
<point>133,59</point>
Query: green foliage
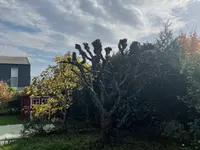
<point>184,134</point>
<point>190,66</point>
<point>12,107</point>
<point>58,82</point>
<point>83,108</point>
<point>145,88</point>
<point>85,142</point>
<point>174,130</point>
<point>194,130</point>
<point>35,126</point>
<point>15,105</point>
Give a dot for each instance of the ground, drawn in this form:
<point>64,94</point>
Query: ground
<point>82,142</point>
<point>10,127</point>
<point>75,141</point>
<point>10,119</point>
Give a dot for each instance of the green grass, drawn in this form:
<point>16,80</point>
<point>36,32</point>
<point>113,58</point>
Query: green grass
<point>10,119</point>
<point>83,142</point>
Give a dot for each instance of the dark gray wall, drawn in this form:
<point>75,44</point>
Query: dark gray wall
<point>24,72</point>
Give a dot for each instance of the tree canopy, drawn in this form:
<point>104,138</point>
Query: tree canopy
<point>57,82</point>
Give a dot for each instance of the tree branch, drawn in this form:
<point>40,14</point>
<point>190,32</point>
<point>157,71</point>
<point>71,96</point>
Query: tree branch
<point>123,120</point>
<point>87,48</point>
<point>82,53</point>
<point>118,99</point>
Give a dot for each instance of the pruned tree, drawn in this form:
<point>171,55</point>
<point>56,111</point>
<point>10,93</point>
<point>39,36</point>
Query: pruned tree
<point>108,84</point>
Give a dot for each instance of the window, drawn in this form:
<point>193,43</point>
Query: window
<point>14,77</point>
<point>44,100</point>
<point>36,100</point>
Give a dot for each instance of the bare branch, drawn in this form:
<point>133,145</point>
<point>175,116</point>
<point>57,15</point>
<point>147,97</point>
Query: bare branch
<point>82,53</point>
<point>96,100</point>
<point>122,46</point>
<point>118,99</point>
<point>81,78</point>
<point>123,120</point>
<point>87,48</point>
<point>126,76</point>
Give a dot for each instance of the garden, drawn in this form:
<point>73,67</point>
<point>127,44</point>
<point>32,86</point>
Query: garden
<point>141,96</point>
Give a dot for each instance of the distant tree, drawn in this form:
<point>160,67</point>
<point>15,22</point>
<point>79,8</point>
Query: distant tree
<point>6,94</point>
<point>190,58</point>
<point>190,44</point>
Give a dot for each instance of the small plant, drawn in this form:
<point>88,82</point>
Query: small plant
<point>36,126</point>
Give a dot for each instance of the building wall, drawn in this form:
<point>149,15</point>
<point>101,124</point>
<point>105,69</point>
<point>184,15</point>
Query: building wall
<point>23,74</point>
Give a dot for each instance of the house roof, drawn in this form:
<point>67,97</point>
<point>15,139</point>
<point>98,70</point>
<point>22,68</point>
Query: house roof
<point>14,60</point>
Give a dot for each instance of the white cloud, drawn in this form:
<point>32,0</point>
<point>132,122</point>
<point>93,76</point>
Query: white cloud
<point>59,21</point>
<point>56,25</point>
<point>11,51</point>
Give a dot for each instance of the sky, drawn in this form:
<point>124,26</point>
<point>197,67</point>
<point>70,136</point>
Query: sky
<point>43,29</point>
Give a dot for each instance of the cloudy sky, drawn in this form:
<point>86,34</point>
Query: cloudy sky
<point>42,29</point>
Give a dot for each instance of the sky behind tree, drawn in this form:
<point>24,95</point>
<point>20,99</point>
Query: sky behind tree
<point>42,29</point>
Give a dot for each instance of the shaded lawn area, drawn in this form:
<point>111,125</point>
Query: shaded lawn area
<point>10,119</point>
<point>83,142</point>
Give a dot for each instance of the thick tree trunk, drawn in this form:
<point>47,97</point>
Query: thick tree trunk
<point>106,127</point>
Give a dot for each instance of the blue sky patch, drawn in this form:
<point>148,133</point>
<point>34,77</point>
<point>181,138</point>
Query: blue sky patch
<point>18,27</point>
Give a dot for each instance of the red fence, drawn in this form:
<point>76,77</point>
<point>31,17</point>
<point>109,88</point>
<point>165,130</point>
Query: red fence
<point>26,104</point>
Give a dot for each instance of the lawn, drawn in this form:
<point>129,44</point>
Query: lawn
<point>82,142</point>
<point>10,119</point>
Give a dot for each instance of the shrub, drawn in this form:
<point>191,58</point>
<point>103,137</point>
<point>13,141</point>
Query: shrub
<point>6,94</point>
<point>36,125</point>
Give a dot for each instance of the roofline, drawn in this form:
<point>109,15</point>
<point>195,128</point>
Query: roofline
<point>18,57</point>
<point>14,64</point>
<point>28,60</point>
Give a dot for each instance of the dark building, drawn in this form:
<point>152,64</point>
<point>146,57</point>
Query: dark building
<point>16,71</point>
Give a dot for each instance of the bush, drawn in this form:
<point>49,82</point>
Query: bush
<point>12,107</point>
<point>37,125</point>
<point>188,134</point>
<point>194,130</point>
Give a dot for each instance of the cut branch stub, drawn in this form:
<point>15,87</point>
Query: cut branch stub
<point>108,50</point>
<point>74,58</point>
<point>97,47</point>
<point>87,48</point>
<point>135,48</point>
<point>82,53</point>
<point>122,45</point>
<point>95,62</point>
